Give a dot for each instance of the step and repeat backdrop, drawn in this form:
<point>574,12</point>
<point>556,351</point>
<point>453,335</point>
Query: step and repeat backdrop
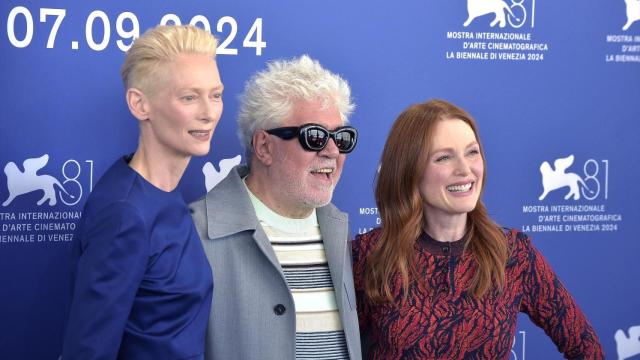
<point>554,86</point>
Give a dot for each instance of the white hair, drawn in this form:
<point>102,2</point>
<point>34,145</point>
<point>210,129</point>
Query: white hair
<point>269,95</point>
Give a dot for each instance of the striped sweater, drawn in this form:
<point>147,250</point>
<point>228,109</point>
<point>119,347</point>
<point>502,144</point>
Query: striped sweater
<point>298,246</point>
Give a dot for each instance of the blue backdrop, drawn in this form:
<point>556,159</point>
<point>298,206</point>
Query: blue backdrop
<point>551,81</point>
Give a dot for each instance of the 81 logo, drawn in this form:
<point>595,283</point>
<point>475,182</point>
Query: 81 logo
<point>69,191</point>
<point>594,183</point>
<point>516,12</point>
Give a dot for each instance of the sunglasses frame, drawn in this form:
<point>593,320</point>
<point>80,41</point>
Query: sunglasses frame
<point>289,132</point>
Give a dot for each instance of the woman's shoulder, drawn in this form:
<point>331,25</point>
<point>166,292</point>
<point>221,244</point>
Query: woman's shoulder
<point>120,185</point>
<point>369,237</point>
<point>514,235</point>
<point>115,185</point>
<point>363,243</point>
<point>518,241</point>
<point>116,195</point>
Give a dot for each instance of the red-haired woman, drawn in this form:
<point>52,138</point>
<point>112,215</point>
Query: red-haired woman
<point>439,279</point>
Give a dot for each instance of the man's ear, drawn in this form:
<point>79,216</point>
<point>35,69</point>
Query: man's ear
<point>262,147</point>
<point>138,104</point>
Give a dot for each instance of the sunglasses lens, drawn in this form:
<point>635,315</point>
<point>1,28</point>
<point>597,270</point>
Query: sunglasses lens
<point>344,140</point>
<point>316,138</point>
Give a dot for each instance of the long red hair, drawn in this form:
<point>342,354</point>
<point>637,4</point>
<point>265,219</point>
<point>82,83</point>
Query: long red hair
<point>400,204</point>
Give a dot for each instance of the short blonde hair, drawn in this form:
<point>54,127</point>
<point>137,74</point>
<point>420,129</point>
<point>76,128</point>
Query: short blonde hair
<point>159,45</point>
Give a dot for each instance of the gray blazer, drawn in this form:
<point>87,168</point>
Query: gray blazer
<point>253,315</point>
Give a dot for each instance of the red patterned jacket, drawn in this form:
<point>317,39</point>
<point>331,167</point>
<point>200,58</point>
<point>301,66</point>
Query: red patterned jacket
<point>440,320</point>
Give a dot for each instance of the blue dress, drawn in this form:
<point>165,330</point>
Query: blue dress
<point>143,284</point>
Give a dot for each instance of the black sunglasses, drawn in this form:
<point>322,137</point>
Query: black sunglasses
<point>314,137</point>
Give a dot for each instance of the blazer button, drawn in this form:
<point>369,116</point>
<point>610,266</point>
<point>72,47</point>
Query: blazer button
<point>279,309</point>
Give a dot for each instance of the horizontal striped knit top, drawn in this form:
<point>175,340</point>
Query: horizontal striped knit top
<point>298,246</point>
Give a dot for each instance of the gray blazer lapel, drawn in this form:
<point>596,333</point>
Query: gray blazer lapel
<point>334,229</point>
<point>229,211</point>
<point>334,226</point>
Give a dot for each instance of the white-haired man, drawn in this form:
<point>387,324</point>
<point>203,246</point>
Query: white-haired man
<point>279,250</point>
